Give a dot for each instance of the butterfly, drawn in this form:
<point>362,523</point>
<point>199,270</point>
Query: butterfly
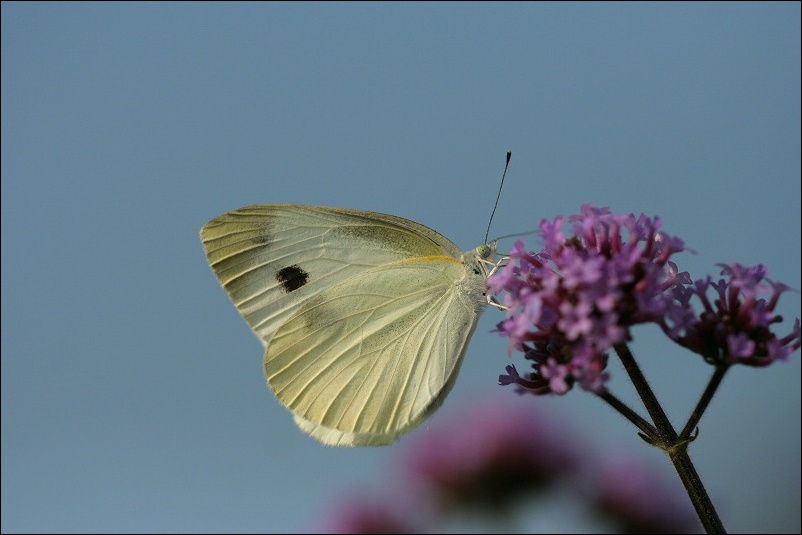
<point>365,317</point>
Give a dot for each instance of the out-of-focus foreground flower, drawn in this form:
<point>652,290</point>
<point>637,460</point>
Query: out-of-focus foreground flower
<point>483,465</point>
<point>369,515</point>
<point>629,495</point>
<point>491,457</point>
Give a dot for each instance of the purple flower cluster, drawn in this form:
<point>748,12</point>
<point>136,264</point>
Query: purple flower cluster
<point>490,457</point>
<point>575,300</point>
<point>733,328</point>
<point>635,499</point>
<point>482,461</point>
<point>368,515</point>
<point>569,304</point>
<point>487,463</point>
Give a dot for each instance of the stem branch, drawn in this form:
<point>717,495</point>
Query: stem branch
<point>668,441</point>
<point>704,401</point>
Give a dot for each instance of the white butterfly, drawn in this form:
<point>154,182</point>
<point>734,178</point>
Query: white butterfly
<point>365,317</point>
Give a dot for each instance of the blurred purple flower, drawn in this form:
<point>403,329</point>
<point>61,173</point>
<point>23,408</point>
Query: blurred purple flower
<point>735,327</point>
<point>486,460</point>
<point>569,304</point>
<point>638,500</point>
<point>368,515</point>
<point>491,457</point>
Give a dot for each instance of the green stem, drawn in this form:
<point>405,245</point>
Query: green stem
<point>668,441</point>
<point>665,430</point>
<point>704,401</point>
<point>696,490</point>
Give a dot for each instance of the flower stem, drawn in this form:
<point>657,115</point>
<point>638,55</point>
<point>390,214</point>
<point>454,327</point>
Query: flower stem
<point>668,441</point>
<point>666,431</point>
<point>704,401</point>
<point>696,491</point>
<point>645,427</point>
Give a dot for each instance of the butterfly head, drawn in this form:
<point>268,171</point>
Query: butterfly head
<point>485,252</point>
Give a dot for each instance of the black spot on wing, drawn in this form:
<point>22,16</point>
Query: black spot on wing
<point>292,277</point>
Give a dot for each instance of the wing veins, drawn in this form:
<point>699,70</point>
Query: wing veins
<point>366,373</point>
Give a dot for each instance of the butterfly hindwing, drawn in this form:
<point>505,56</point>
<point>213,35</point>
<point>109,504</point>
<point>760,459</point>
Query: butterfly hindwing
<point>371,357</point>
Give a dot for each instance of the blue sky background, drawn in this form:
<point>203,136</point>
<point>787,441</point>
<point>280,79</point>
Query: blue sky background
<point>132,391</point>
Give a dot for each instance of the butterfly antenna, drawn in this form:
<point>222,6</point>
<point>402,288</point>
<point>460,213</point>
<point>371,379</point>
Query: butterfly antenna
<point>498,196</point>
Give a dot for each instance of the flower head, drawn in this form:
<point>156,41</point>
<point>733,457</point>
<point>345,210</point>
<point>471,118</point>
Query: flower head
<point>569,304</point>
<point>735,327</point>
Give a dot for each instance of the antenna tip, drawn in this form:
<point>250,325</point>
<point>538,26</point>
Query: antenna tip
<point>509,155</point>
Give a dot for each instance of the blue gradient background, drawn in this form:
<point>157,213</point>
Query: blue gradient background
<point>132,391</point>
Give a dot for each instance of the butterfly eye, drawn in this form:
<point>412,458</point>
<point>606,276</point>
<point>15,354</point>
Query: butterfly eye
<point>292,277</point>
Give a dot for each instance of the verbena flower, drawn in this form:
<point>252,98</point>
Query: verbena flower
<point>735,326</point>
<point>369,515</point>
<point>638,500</point>
<point>570,303</point>
<point>489,458</point>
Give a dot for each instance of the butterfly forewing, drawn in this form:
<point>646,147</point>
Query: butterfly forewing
<point>273,258</point>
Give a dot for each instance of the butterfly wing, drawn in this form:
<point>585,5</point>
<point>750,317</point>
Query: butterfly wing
<point>371,357</point>
<point>273,258</point>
